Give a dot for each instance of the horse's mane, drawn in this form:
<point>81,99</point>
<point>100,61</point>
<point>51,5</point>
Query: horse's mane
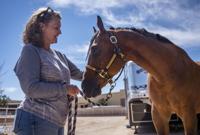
<point>140,31</point>
<point>145,33</point>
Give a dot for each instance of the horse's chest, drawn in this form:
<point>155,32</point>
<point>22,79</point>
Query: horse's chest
<point>163,95</point>
<point>174,99</point>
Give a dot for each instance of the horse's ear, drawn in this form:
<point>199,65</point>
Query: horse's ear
<point>100,24</point>
<point>94,29</point>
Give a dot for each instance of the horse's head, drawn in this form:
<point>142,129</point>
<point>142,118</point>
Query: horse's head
<point>105,59</point>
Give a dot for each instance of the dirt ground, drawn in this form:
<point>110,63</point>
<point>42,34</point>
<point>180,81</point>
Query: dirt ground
<point>102,126</point>
<point>109,126</point>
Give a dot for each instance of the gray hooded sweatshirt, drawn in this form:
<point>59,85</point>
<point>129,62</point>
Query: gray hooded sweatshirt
<point>43,76</point>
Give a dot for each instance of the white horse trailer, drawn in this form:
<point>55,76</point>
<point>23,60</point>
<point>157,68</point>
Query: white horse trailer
<point>138,104</point>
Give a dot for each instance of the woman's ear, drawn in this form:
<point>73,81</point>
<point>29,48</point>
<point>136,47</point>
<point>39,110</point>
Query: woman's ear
<point>42,26</point>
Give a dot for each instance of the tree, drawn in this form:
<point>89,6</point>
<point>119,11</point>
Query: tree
<point>3,98</point>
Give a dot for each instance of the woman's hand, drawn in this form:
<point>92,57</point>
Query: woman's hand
<point>72,90</point>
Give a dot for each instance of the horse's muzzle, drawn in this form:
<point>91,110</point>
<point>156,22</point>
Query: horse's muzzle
<point>90,88</point>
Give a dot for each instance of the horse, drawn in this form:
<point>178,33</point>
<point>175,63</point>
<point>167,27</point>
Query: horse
<point>173,77</point>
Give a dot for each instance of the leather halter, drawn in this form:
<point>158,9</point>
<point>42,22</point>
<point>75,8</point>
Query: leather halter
<point>103,73</point>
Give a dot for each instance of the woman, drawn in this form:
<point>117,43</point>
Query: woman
<point>44,75</point>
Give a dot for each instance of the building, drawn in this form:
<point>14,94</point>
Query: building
<point>7,113</point>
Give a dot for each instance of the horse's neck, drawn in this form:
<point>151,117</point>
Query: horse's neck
<point>156,57</point>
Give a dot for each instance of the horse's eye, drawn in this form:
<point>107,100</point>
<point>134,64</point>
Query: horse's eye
<point>94,50</point>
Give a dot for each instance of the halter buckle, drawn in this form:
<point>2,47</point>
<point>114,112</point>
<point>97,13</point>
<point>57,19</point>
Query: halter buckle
<point>113,39</point>
<point>103,74</point>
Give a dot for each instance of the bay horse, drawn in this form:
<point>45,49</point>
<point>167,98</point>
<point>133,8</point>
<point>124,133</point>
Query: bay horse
<point>173,79</point>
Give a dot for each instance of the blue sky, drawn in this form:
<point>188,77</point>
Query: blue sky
<point>178,20</point>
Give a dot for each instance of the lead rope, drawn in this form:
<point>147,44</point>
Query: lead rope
<point>72,126</point>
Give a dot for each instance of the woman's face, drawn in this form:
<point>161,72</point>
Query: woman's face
<point>51,31</point>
